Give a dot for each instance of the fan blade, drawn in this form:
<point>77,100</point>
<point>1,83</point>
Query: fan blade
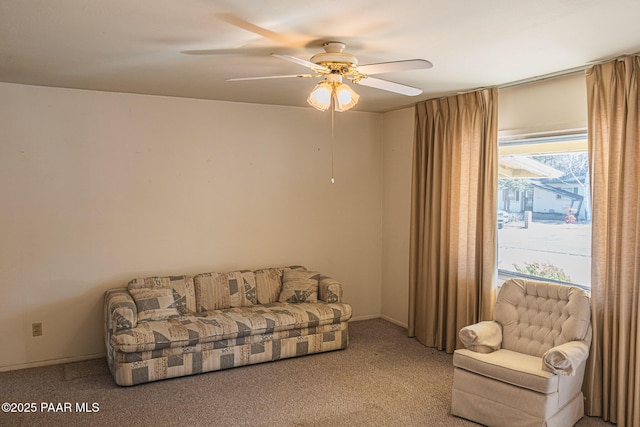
<point>294,40</point>
<point>308,64</point>
<point>390,86</point>
<point>390,67</point>
<point>242,50</point>
<point>271,77</point>
<point>210,51</point>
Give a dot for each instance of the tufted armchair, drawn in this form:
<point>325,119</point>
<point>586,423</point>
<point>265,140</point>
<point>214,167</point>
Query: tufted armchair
<point>525,368</point>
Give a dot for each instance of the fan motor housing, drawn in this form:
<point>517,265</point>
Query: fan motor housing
<point>334,58</point>
<point>331,60</point>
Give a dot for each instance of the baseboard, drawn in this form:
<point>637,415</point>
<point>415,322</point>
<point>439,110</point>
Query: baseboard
<point>394,321</point>
<point>49,362</point>
<point>380,316</point>
<point>367,317</point>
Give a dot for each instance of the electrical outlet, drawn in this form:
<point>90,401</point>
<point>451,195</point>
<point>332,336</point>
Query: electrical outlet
<point>36,329</point>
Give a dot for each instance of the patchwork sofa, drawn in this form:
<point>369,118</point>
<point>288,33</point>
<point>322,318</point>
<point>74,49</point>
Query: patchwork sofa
<point>165,327</point>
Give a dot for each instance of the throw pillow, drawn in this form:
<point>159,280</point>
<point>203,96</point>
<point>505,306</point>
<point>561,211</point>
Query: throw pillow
<point>154,304</point>
<point>299,286</point>
<point>182,286</point>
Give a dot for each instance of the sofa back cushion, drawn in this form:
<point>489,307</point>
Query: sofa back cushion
<point>536,316</point>
<point>268,284</point>
<point>181,286</point>
<point>215,291</point>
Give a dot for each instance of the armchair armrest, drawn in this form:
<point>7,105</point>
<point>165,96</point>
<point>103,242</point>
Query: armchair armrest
<point>329,289</point>
<point>483,337</point>
<point>565,358</point>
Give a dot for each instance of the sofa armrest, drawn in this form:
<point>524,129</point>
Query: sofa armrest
<point>483,337</point>
<point>329,290</point>
<point>565,358</point>
<point>120,311</point>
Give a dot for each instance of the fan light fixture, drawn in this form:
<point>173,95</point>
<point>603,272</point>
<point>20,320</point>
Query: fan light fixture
<point>333,91</point>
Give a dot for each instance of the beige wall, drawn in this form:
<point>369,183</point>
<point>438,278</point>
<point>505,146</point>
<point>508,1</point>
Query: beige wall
<point>553,104</point>
<point>98,188</point>
<point>396,189</point>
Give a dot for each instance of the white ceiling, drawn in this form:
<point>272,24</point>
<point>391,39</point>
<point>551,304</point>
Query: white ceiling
<point>135,45</point>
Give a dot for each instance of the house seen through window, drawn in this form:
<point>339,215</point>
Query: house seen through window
<point>544,209</point>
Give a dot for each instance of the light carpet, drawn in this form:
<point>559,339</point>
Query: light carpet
<point>384,378</point>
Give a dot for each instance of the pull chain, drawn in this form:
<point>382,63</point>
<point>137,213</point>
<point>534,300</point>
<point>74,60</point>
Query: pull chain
<point>333,181</point>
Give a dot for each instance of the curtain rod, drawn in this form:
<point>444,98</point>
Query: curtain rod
<point>541,77</point>
<point>528,80</point>
<point>561,73</point>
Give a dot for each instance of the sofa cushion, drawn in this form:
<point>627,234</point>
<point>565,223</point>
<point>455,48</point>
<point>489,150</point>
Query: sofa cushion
<point>519,369</point>
<point>299,286</point>
<point>182,286</point>
<point>268,284</point>
<point>227,324</point>
<point>216,291</point>
<point>330,333</point>
<point>154,304</point>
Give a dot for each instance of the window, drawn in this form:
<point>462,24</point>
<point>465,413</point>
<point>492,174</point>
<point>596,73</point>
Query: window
<point>544,209</point>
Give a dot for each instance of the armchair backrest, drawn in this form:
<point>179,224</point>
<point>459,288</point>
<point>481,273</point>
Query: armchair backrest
<point>536,316</point>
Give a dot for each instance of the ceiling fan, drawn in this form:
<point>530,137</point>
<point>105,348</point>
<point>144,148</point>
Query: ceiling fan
<point>335,65</point>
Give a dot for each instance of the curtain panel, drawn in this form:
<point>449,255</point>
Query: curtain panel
<point>612,380</point>
<point>453,217</point>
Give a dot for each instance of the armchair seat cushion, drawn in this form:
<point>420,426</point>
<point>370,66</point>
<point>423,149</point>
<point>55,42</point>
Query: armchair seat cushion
<point>510,367</point>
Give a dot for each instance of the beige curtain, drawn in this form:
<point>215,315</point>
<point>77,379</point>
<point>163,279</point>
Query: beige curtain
<point>612,381</point>
<point>453,216</point>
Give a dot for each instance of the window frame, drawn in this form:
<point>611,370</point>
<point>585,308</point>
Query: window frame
<point>537,140</point>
